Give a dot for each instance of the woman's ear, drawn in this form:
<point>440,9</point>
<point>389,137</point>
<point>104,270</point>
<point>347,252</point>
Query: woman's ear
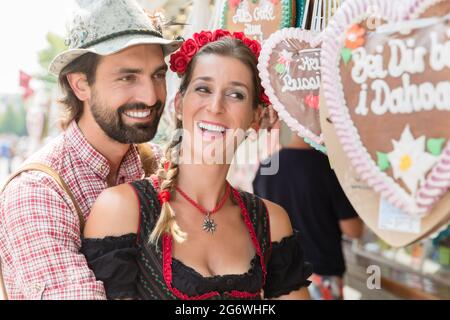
<point>178,103</point>
<point>257,114</point>
<point>80,86</point>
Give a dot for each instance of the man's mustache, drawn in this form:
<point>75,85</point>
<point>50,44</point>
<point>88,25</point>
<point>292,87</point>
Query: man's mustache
<point>139,106</point>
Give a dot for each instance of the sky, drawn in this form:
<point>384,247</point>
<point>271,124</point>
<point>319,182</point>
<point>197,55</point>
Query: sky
<point>23,27</point>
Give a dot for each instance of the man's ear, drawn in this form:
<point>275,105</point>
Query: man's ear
<point>178,103</point>
<point>80,86</point>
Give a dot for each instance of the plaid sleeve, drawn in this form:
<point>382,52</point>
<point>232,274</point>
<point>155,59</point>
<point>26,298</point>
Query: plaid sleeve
<point>42,240</point>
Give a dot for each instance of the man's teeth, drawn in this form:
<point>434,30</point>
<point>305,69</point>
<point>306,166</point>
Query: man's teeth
<point>138,114</point>
<point>211,127</point>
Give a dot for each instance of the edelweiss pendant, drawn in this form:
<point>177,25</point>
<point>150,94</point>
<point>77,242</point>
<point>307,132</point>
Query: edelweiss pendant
<point>209,225</point>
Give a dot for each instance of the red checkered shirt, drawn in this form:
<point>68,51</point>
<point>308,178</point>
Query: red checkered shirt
<point>39,226</point>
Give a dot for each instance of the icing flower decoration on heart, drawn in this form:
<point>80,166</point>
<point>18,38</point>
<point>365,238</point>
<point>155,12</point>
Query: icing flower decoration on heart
<point>312,101</point>
<point>285,57</point>
<point>354,38</point>
<point>409,160</point>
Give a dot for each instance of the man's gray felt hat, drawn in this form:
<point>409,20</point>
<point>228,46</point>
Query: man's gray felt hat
<point>105,27</point>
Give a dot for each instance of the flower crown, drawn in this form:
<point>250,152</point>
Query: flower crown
<point>180,59</point>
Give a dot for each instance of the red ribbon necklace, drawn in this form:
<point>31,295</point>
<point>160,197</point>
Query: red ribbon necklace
<point>208,223</point>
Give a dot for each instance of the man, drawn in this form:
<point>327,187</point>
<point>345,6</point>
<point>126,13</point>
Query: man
<point>307,188</point>
<point>113,78</point>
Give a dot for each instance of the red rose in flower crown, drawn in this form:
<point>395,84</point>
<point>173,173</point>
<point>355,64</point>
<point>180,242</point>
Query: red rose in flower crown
<point>234,3</point>
<point>190,47</point>
<point>239,35</point>
<point>179,62</point>
<point>264,98</point>
<point>220,33</point>
<point>203,38</point>
<point>253,45</point>
<point>180,59</point>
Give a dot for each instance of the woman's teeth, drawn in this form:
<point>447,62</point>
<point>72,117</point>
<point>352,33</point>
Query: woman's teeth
<point>211,127</point>
<point>138,114</point>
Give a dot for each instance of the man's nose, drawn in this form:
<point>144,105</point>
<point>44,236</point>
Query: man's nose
<point>147,94</point>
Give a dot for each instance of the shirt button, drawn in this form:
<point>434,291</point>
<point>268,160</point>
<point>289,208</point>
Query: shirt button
<point>36,288</point>
<point>230,282</point>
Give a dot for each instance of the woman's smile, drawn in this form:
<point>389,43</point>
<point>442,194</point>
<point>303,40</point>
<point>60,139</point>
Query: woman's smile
<point>211,130</point>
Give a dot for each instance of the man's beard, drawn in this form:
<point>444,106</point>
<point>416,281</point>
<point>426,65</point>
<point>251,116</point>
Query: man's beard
<point>110,121</point>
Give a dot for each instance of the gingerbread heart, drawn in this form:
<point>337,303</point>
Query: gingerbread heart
<point>386,81</point>
<point>257,18</point>
<point>289,67</point>
<point>368,203</point>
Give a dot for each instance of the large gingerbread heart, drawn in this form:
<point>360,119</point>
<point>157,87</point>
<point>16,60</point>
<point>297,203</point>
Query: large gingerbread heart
<point>386,80</point>
<point>257,18</point>
<point>399,231</point>
<point>289,67</point>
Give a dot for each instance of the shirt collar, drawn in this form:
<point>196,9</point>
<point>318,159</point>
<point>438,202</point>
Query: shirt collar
<point>130,169</point>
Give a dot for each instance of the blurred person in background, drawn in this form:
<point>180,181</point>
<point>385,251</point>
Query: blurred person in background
<point>307,188</point>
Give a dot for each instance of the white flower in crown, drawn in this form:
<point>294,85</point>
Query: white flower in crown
<point>409,160</point>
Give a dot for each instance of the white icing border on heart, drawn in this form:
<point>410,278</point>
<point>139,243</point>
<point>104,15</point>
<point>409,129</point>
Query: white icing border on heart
<point>438,179</point>
<point>263,65</point>
<point>419,7</point>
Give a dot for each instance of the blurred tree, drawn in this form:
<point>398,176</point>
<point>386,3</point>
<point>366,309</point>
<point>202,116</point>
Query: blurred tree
<point>12,121</point>
<point>20,126</point>
<point>7,121</point>
<point>55,46</point>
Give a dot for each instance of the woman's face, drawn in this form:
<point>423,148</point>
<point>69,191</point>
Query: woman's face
<point>217,108</point>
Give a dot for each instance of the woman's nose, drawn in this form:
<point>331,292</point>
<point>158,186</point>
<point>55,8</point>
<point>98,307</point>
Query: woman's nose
<point>216,105</point>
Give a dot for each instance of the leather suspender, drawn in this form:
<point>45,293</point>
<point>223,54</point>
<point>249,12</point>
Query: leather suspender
<point>52,173</point>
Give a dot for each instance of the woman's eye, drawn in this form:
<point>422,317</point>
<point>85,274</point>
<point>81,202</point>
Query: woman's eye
<point>237,95</point>
<point>203,89</point>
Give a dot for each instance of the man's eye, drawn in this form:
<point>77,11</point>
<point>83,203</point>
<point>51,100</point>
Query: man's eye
<point>127,78</point>
<point>161,75</point>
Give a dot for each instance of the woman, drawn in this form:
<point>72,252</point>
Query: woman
<point>185,233</point>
